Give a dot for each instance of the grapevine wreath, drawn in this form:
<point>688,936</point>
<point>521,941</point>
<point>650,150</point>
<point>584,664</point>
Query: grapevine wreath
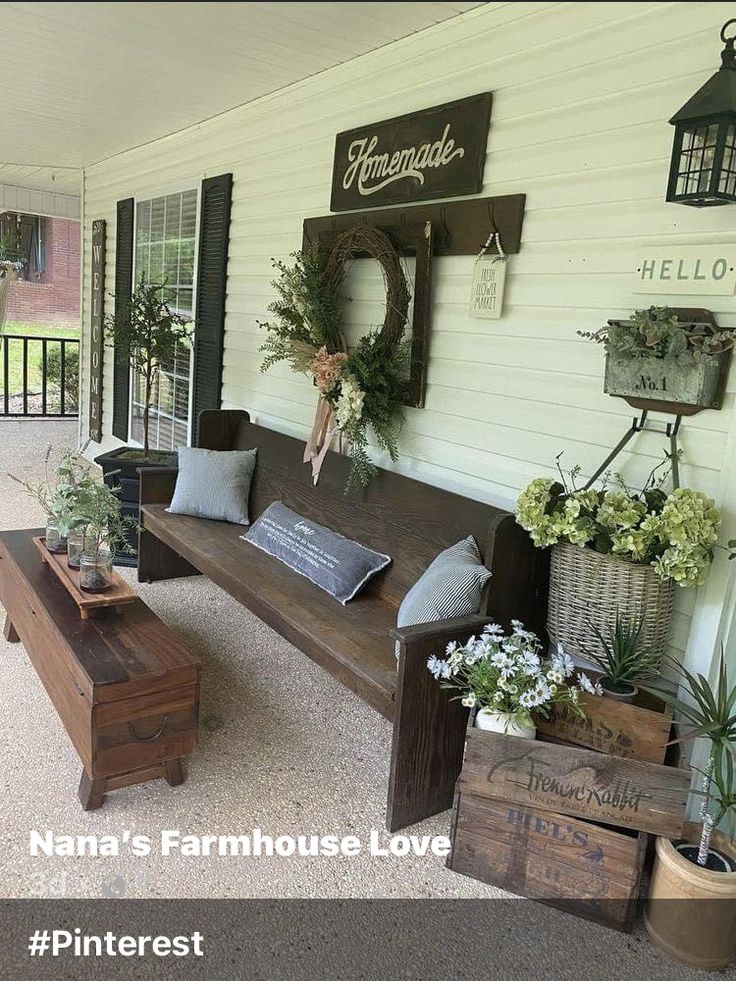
<point>359,390</point>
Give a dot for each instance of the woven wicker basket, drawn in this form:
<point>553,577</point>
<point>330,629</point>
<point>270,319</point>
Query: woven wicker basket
<point>587,588</point>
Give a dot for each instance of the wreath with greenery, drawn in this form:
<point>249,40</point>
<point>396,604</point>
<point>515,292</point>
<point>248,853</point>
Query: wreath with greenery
<point>364,389</point>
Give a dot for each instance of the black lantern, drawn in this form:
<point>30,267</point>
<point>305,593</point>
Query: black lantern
<point>703,167</point>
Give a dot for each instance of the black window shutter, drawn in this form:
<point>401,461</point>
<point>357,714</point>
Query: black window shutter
<point>209,316</point>
<point>123,289</point>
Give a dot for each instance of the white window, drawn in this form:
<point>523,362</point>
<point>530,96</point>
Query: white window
<point>165,250</point>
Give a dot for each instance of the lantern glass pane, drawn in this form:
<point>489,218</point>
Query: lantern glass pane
<point>727,181</point>
<point>695,165</point>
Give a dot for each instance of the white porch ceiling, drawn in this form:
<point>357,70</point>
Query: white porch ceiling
<point>87,80</point>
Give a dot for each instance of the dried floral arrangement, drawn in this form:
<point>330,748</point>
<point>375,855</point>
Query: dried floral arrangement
<point>361,390</point>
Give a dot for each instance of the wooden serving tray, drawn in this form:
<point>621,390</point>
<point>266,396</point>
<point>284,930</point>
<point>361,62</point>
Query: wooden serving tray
<point>116,596</point>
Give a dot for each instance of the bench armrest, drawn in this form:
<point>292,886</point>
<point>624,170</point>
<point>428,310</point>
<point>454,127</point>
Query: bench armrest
<point>439,632</point>
<point>429,726</point>
<point>157,484</point>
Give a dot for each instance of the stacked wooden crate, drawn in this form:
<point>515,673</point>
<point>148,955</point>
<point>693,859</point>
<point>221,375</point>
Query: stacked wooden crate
<point>566,824</point>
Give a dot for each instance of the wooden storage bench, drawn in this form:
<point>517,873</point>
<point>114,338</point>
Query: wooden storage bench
<point>408,520</point>
<point>123,685</point>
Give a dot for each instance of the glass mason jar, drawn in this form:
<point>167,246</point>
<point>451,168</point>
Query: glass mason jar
<point>55,541</point>
<point>95,570</point>
<point>74,547</point>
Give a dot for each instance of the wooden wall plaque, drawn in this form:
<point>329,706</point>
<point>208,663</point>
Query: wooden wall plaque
<point>97,283</point>
<point>577,782</point>
<point>433,153</point>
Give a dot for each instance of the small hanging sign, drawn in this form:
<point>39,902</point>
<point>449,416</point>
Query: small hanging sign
<point>489,278</point>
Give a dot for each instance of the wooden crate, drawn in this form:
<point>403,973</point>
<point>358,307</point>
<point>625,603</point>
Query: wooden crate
<point>636,731</point>
<point>577,782</point>
<point>577,866</point>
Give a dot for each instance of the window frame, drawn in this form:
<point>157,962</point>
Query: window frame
<point>151,194</point>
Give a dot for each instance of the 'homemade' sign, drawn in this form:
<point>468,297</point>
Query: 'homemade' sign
<point>96,346</point>
<point>696,270</point>
<point>433,153</point>
<point>578,782</point>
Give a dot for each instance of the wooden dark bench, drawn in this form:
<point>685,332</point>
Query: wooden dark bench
<point>406,519</point>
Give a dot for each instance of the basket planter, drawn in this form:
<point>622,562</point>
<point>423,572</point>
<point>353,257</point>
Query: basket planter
<point>689,383</point>
<point>587,588</point>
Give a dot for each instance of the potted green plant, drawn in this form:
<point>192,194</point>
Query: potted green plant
<point>622,658</point>
<point>507,679</point>
<point>106,530</point>
<point>699,870</point>
<point>657,355</point>
<point>149,331</point>
<point>59,496</point>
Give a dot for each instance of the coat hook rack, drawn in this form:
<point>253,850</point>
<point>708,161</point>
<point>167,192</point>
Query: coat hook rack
<point>642,424</point>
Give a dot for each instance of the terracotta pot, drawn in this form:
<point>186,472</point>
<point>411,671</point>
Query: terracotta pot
<point>691,911</point>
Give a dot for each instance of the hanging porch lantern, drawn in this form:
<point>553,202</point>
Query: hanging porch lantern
<point>703,166</point>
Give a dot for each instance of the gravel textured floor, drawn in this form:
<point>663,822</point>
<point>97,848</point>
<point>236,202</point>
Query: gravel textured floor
<point>283,747</point>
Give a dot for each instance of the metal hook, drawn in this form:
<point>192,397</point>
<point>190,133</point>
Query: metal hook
<point>490,217</point>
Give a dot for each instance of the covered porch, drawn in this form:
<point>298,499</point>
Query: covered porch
<point>405,294</point>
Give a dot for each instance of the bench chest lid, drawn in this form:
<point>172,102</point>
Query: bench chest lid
<point>111,656</point>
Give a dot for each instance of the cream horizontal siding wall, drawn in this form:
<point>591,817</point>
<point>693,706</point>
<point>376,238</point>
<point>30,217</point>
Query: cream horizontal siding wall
<point>582,94</point>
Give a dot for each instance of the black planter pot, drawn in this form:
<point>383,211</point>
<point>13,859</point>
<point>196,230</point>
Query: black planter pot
<point>120,469</point>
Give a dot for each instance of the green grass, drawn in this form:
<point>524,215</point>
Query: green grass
<point>15,354</point>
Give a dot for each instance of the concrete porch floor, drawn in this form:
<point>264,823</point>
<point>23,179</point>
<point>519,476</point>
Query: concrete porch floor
<point>282,747</point>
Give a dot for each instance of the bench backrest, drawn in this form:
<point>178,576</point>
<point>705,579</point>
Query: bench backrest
<point>407,519</point>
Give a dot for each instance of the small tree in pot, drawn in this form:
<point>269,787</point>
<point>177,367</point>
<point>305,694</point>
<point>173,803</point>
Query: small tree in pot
<point>700,869</point>
<point>149,331</point>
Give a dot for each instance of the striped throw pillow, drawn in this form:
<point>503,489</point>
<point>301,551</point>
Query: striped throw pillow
<point>452,586</point>
<point>214,484</point>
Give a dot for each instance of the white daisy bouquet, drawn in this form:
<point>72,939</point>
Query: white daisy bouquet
<point>509,674</point>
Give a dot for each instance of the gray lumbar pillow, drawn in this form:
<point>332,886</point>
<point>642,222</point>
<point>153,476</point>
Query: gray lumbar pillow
<point>452,586</point>
<point>334,563</point>
<point>214,484</point>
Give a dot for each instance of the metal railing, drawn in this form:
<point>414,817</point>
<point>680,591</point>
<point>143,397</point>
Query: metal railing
<point>39,376</point>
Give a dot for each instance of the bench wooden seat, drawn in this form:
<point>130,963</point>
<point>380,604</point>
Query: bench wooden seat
<point>404,518</point>
<point>360,653</point>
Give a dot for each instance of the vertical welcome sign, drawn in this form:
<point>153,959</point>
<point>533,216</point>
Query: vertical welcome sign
<point>96,347</point>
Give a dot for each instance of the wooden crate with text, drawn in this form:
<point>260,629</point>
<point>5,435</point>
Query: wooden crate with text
<point>579,867</point>
<point>561,824</point>
<point>637,731</point>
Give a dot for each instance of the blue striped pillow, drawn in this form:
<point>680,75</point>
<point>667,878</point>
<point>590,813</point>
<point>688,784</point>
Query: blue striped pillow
<point>214,484</point>
<point>452,586</point>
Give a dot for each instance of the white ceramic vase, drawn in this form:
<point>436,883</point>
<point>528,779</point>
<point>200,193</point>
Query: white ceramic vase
<point>491,721</point>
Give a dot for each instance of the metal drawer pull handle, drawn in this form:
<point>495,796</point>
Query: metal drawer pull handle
<point>149,739</point>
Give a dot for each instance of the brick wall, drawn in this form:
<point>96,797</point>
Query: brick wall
<point>54,299</point>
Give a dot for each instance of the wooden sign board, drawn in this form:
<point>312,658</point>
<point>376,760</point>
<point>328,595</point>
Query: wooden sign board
<point>486,292</point>
<point>632,732</point>
<point>577,782</point>
<point>581,868</point>
<point>434,153</point>
<point>699,270</point>
<point>96,344</point>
